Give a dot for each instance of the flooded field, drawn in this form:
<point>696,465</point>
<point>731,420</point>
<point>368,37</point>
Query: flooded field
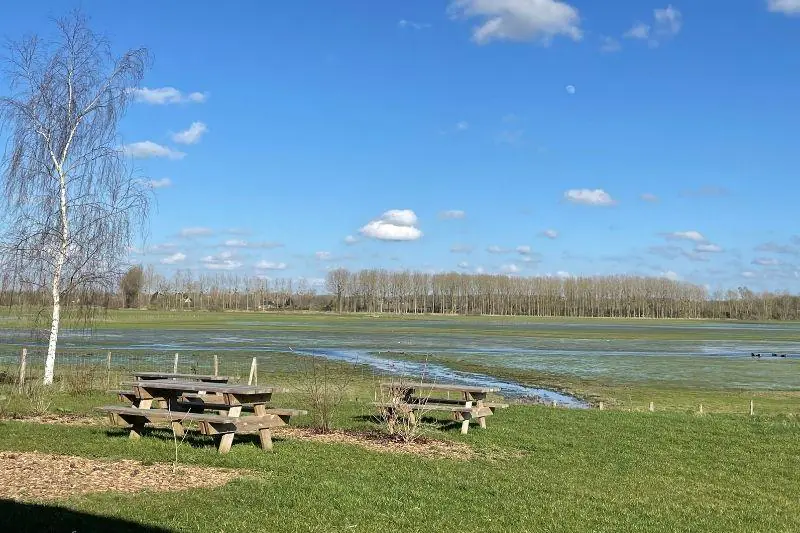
<point>716,355</point>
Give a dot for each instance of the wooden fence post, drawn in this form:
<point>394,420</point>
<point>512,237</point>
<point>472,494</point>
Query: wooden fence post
<point>175,364</point>
<point>22,363</point>
<point>601,406</point>
<point>216,365</point>
<point>752,408</point>
<point>253,373</point>
<point>701,408</point>
<point>652,407</point>
<point>108,370</point>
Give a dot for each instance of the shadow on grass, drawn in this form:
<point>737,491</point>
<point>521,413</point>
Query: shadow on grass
<point>432,421</point>
<point>193,438</point>
<point>29,517</point>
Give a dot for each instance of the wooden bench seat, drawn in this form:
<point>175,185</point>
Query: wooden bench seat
<point>209,424</point>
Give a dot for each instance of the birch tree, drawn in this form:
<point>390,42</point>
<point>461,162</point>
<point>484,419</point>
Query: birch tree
<point>70,205</point>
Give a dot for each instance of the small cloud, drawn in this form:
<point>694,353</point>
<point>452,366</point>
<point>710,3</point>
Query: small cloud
<point>165,95</point>
<point>463,265</point>
<point>563,274</point>
<point>690,235</point>
<point>350,240</point>
<point>269,265</point>
<point>787,7</point>
<point>748,274</point>
<point>510,137</point>
<point>236,243</point>
<point>510,268</point>
<point>570,89</point>
<point>177,257</point>
<point>403,23</point>
<point>462,126</point>
<point>671,275</point>
<point>540,20</point>
<point>766,261</point>
<point>159,184</point>
<point>191,135</point>
<point>323,256</point>
<point>639,30</point>
<point>609,45</point>
<point>196,232</point>
<point>452,214</point>
<point>550,234</point>
<point>461,249</point>
<point>648,197</point>
<point>708,248</point>
<point>224,261</point>
<point>523,249</point>
<point>393,225</point>
<point>149,149</point>
<point>668,20</point>
<point>479,270</point>
<point>494,249</point>
<point>597,197</point>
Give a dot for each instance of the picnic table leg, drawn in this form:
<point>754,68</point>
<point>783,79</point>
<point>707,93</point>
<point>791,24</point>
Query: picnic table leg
<point>136,429</point>
<point>479,402</point>
<point>467,416</point>
<point>265,434</point>
<point>227,439</point>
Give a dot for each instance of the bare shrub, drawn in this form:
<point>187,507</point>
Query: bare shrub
<point>79,379</point>
<point>396,417</point>
<point>325,385</point>
<point>40,398</point>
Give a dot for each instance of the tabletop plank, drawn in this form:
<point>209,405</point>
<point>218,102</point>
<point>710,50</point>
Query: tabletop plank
<point>197,386</point>
<point>179,376</point>
<point>441,387</point>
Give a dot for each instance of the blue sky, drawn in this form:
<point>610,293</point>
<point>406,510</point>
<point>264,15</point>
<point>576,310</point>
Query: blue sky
<point>528,137</point>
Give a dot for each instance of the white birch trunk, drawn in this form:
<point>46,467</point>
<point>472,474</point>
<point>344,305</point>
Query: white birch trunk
<point>50,362</point>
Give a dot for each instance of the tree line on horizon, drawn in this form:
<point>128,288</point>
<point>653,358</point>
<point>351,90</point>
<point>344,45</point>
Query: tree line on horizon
<point>410,292</point>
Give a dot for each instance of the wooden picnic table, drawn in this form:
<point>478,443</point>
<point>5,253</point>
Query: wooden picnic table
<point>408,397</point>
<point>182,377</point>
<point>227,399</point>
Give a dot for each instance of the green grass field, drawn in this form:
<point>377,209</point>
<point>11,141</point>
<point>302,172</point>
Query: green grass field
<point>536,468</point>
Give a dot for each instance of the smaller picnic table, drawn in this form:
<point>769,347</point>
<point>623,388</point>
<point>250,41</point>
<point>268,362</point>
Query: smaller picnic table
<point>417,396</point>
<point>178,376</point>
<point>229,400</point>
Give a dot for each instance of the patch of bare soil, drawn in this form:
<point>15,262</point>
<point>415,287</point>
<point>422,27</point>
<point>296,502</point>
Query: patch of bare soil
<point>62,419</point>
<point>382,443</point>
<point>41,476</point>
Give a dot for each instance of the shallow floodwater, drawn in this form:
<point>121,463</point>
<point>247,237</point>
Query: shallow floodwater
<point>697,355</point>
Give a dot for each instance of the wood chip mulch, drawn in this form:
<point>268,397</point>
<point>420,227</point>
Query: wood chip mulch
<point>41,476</point>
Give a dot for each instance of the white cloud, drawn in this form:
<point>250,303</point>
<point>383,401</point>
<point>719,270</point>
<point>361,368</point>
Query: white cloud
<point>350,239</point>
<point>165,95</point>
<point>191,135</point>
<point>149,149</point>
<point>609,45</point>
<point>461,249</point>
<point>269,265</point>
<point>709,248</point>
<point>766,261</point>
<point>524,249</point>
<point>639,30</point>
<point>519,20</point>
<point>787,7</point>
<point>563,274</point>
<point>649,197</point>
<point>748,274</point>
<point>403,23</point>
<point>463,125</point>
<point>236,243</point>
<point>158,184</point>
<point>452,214</point>
<point>479,270</point>
<point>463,264</point>
<point>550,234</point>
<point>223,261</point>
<point>570,89</point>
<point>510,268</point>
<point>494,249</point>
<point>177,257</point>
<point>323,256</point>
<point>671,275</point>
<point>589,197</point>
<point>668,20</point>
<point>196,232</point>
<point>690,235</point>
<point>393,225</point>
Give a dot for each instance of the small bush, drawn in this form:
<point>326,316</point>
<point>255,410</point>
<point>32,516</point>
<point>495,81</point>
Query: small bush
<point>325,385</point>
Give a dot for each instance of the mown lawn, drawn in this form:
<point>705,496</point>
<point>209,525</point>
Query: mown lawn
<point>538,469</point>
